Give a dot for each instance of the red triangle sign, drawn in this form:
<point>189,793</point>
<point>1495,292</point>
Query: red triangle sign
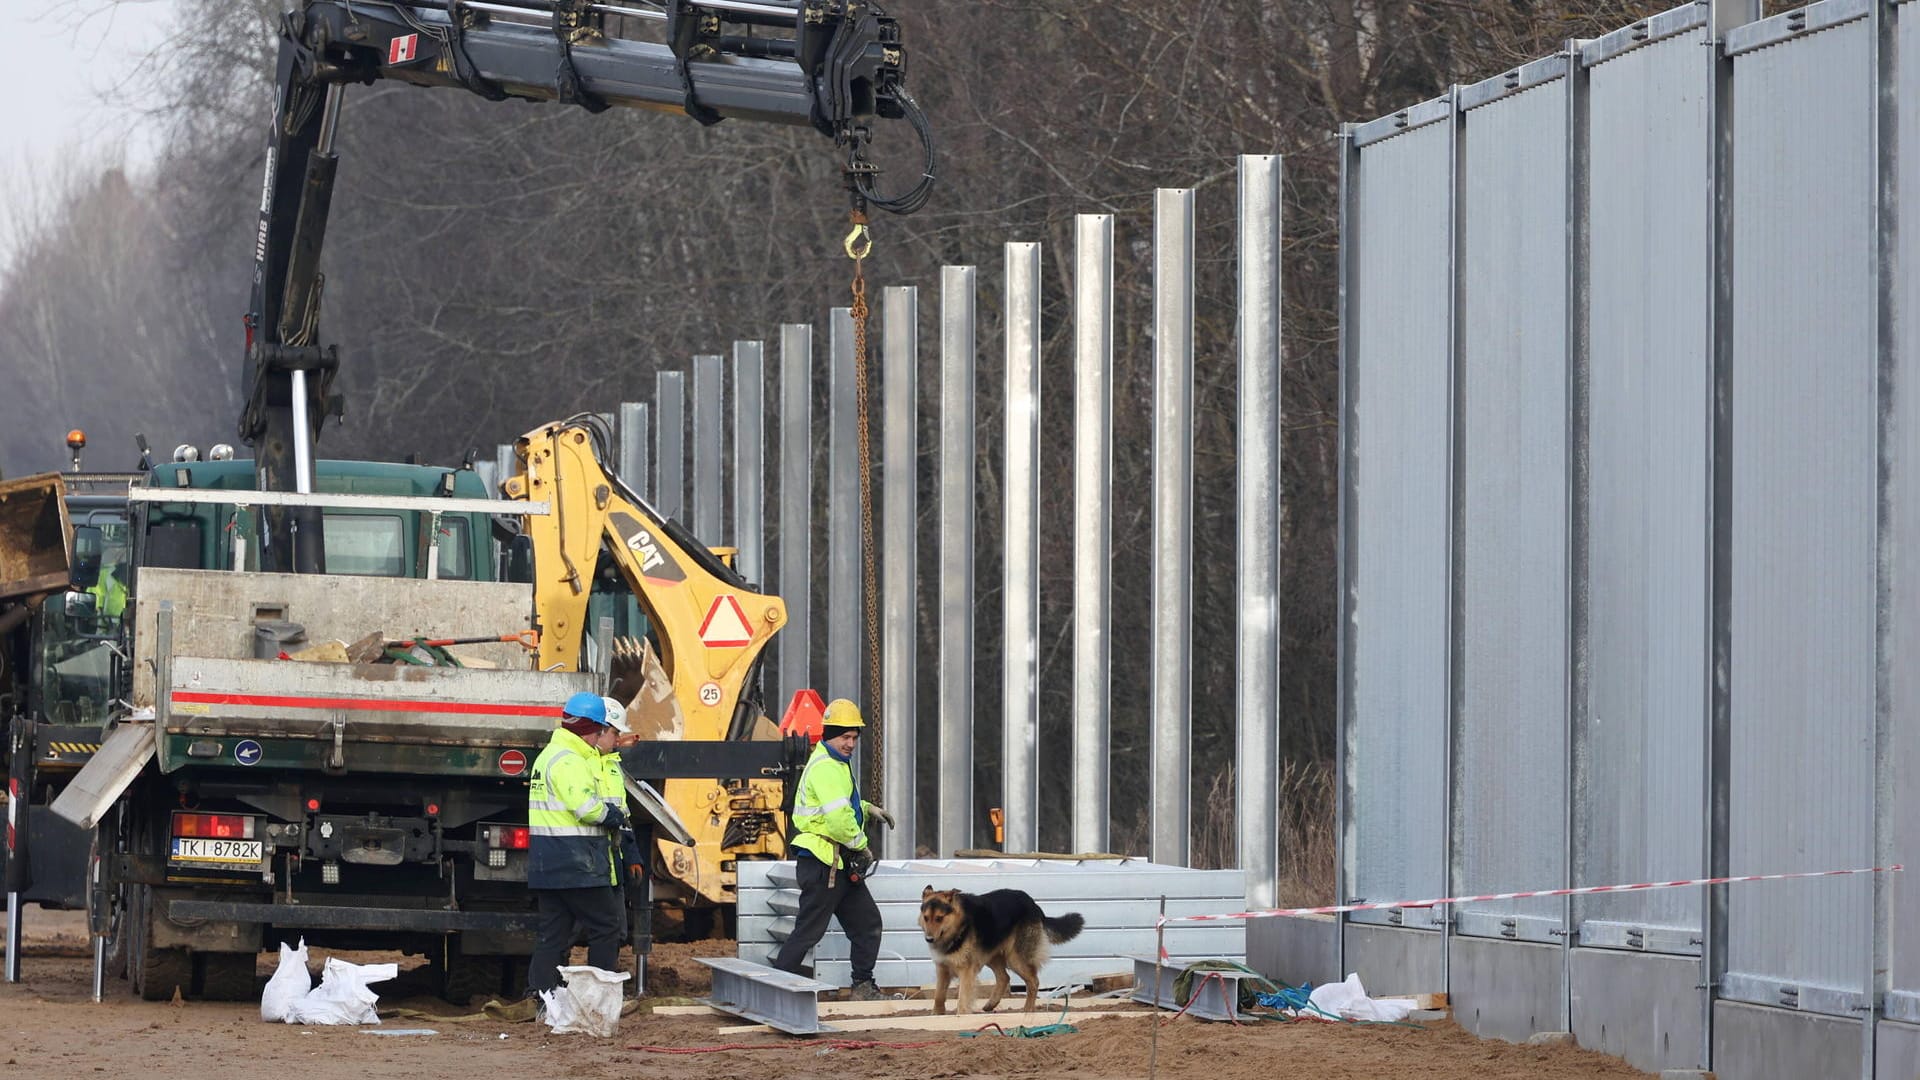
<point>725,626</point>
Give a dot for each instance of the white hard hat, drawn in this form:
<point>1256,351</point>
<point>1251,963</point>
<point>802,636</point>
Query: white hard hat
<point>617,716</point>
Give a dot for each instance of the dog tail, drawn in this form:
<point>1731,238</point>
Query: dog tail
<point>1063,928</point>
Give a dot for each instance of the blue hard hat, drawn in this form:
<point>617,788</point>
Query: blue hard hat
<point>586,706</point>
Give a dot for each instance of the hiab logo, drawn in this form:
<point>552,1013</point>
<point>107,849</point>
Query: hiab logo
<point>402,49</point>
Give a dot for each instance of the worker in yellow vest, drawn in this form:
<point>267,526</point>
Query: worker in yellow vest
<point>831,855</point>
<point>572,829</point>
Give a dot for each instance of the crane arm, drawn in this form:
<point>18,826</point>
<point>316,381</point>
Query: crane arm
<point>834,65</point>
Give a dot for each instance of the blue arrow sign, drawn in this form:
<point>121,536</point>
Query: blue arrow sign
<point>247,752</point>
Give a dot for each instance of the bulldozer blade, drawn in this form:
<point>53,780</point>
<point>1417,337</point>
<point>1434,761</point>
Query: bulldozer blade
<point>36,538</point>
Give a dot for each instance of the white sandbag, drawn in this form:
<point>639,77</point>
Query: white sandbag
<point>588,1003</point>
<point>289,983</point>
<point>342,996</point>
<point>1349,1001</point>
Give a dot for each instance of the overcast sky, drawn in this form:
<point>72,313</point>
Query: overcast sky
<point>70,90</point>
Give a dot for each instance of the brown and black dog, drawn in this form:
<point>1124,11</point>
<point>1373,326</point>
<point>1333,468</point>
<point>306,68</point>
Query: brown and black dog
<point>1000,929</point>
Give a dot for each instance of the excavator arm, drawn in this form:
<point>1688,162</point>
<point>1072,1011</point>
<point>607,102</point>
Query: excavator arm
<point>835,65</point>
<point>711,627</point>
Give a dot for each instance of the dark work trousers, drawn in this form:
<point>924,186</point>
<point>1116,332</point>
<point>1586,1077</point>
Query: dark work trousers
<point>596,911</point>
<point>849,902</point>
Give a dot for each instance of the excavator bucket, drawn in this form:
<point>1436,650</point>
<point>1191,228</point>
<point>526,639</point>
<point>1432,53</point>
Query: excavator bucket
<point>36,538</point>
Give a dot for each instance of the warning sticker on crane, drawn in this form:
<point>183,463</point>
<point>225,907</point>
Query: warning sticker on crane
<point>403,48</point>
<point>725,626</point>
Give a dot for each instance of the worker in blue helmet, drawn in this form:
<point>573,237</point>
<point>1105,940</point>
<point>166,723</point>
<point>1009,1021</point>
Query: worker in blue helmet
<point>573,836</point>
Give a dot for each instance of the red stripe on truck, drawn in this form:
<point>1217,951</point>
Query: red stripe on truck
<point>455,708</point>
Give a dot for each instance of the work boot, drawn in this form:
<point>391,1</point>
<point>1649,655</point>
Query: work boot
<point>865,990</point>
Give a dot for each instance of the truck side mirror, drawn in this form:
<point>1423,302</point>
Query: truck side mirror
<point>520,559</point>
<point>88,545</point>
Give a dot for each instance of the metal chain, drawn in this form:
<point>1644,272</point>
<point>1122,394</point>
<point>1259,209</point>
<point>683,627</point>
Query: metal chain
<point>859,244</point>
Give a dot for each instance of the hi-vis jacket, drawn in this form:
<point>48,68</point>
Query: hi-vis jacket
<point>567,847</point>
<point>613,792</point>
<point>827,810</point>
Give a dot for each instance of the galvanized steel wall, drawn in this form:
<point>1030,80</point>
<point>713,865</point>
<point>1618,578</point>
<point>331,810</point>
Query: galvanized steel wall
<point>1803,518</point>
<point>1511,719</point>
<point>1649,447</point>
<point>1396,603</point>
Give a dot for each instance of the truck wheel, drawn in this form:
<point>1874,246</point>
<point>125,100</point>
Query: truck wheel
<point>154,973</point>
<point>226,976</point>
<point>464,978</point>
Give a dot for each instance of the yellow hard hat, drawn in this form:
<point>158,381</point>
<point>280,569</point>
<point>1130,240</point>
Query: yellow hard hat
<point>842,713</point>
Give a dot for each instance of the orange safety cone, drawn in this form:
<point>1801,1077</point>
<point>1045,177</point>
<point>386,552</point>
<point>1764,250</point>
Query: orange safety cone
<point>806,715</point>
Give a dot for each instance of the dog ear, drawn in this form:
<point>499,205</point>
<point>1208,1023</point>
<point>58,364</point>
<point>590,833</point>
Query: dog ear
<point>926,892</point>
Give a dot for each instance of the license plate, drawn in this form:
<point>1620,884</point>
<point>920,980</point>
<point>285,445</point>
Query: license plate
<point>218,852</point>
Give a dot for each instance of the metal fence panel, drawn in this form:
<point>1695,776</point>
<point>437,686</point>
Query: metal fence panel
<point>750,459</point>
<point>670,443</point>
<point>1904,814</point>
<point>1648,458</point>
<point>1396,732</point>
<point>1510,734</point>
<point>1803,509</point>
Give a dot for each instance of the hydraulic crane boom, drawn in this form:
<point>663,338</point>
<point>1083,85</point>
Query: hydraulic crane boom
<point>834,65</point>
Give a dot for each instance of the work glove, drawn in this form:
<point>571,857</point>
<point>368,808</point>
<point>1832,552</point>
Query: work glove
<point>859,862</point>
<point>636,873</point>
<point>881,813</point>
<point>616,819</point>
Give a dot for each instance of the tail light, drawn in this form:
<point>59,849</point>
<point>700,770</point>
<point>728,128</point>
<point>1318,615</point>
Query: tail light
<point>506,837</point>
<point>214,826</point>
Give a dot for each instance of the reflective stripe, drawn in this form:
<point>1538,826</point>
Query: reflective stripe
<point>826,808</point>
<point>565,830</point>
<point>546,804</point>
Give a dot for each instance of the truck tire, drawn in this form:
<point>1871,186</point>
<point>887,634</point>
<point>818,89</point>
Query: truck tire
<point>226,976</point>
<point>465,978</point>
<point>154,973</point>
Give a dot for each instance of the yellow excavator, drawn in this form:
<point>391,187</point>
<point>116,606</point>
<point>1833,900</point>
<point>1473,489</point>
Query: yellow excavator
<point>698,668</point>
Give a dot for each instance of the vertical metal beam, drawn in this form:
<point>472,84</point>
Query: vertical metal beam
<point>1092,527</point>
<point>844,628</point>
<point>1885,209</point>
<point>1171,719</point>
<point>1573,773</point>
<point>1456,146</point>
<point>1344,862</point>
<point>956,560</point>
<point>709,499</point>
<point>634,446</point>
<point>503,462</point>
<point>796,511</point>
<point>1020,678</point>
<point>1257,775</point>
<point>1723,16</point>
<point>749,459</point>
<point>899,514</point>
<point>670,443</point>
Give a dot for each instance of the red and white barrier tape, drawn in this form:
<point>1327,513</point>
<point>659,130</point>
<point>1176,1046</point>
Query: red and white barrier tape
<point>1588,890</point>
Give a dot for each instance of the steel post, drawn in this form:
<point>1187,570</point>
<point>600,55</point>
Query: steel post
<point>1345,856</point>
<point>1170,737</point>
<point>670,443</point>
<point>899,514</point>
<point>1257,772</point>
<point>1456,155</point>
<point>956,559</point>
<point>504,466</point>
<point>1724,16</point>
<point>1092,528</point>
<point>1885,209</point>
<point>1573,773</point>
<point>1020,674</point>
<point>634,446</point>
<point>796,511</point>
<point>708,497</point>
<point>749,459</point>
<point>845,635</point>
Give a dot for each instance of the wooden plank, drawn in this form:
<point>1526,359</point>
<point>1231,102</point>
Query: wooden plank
<point>952,1022</point>
<point>1420,1001</point>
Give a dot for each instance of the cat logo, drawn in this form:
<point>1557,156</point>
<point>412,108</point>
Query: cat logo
<point>655,564</point>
